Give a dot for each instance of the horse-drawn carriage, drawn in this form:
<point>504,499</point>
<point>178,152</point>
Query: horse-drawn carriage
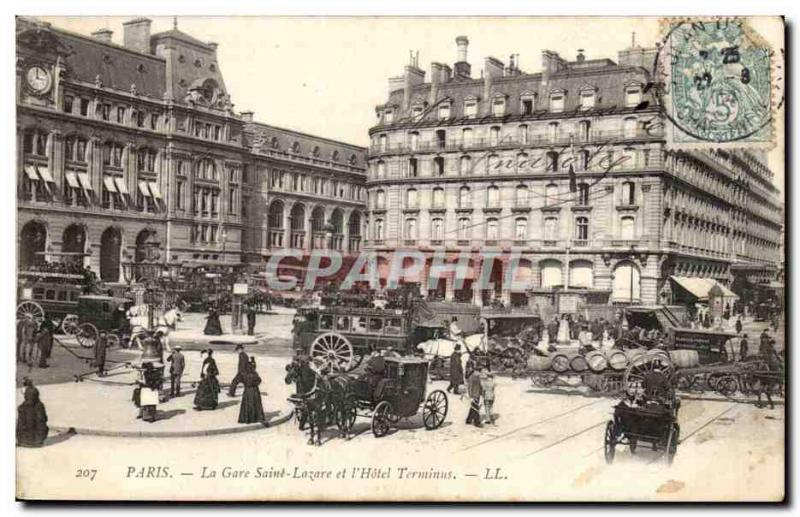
<point>100,313</point>
<point>396,392</point>
<point>53,294</point>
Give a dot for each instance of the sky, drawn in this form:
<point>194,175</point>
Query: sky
<point>325,75</point>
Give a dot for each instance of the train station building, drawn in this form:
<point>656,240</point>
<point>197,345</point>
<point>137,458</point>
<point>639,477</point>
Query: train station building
<point>134,154</point>
<point>568,166</point>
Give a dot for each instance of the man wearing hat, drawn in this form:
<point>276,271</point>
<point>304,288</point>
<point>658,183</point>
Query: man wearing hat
<point>743,348</point>
<point>456,371</point>
<point>241,369</point>
<point>178,364</point>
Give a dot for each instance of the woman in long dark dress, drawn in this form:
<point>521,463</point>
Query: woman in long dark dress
<point>207,395</point>
<point>251,410</point>
<point>31,419</point>
<point>213,325</point>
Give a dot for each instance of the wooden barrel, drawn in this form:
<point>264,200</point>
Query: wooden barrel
<point>617,359</point>
<point>633,353</point>
<point>597,361</point>
<point>539,363</point>
<point>685,358</point>
<point>578,363</point>
<point>559,363</point>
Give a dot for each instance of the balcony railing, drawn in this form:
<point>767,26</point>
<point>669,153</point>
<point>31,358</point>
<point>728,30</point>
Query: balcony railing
<point>297,239</point>
<point>512,142</point>
<point>276,238</point>
<point>355,243</point>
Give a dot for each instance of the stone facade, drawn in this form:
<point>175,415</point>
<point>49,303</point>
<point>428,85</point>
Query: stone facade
<point>135,154</point>
<point>568,167</point>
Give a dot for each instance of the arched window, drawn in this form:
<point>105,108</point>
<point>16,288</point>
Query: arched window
<point>492,227</point>
<point>380,199</point>
<point>551,273</point>
<point>413,168</point>
<point>437,229</point>
<point>581,228</point>
<point>296,147</point>
<point>335,156</point>
<point>465,167</point>
<point>464,229</point>
<point>75,149</point>
<point>522,196</point>
<point>411,228</point>
<point>438,197</point>
<point>626,286</point>
<point>34,142</point>
<point>581,274</point>
<point>627,228</point>
<point>493,197</point>
<point>521,229</point>
<point>550,194</point>
<point>411,198</point>
<point>629,193</point>
<point>274,143</point>
<point>315,152</point>
<point>492,164</point>
<point>583,194</point>
<point>464,197</point>
<point>522,162</point>
<point>353,160</point>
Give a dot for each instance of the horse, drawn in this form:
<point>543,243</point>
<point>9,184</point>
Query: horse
<point>311,398</point>
<point>764,380</point>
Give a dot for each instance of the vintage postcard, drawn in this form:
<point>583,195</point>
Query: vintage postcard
<point>443,259</point>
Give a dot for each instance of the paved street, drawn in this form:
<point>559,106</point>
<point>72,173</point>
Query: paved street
<point>548,442</point>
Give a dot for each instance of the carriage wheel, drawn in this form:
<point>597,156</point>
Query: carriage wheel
<point>32,309</point>
<point>726,385</point>
<point>69,325</point>
<point>112,341</point>
<point>333,349</point>
<point>87,335</point>
<point>435,410</point>
<point>672,443</point>
<point>642,366</point>
<point>380,419</point>
<point>610,442</point>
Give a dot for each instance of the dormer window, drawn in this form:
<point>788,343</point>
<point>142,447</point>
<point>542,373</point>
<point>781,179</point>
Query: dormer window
<point>557,101</point>
<point>416,112</point>
<point>296,147</point>
<point>470,107</point>
<point>444,111</point>
<point>527,103</point>
<point>587,98</point>
<point>498,106</point>
<point>388,116</point>
<point>633,95</point>
<point>274,143</point>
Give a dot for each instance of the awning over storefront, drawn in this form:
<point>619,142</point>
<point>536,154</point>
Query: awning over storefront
<point>120,183</point>
<point>30,171</point>
<point>44,172</point>
<point>143,189</point>
<point>109,183</point>
<point>85,182</point>
<point>154,190</point>
<point>700,287</point>
<point>72,179</point>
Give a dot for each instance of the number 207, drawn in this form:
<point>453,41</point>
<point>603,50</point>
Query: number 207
<point>86,473</point>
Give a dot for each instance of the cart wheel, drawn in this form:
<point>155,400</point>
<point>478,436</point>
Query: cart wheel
<point>559,363</point>
<point>435,410</point>
<point>32,309</point>
<point>87,335</point>
<point>380,419</point>
<point>334,349</point>
<point>645,365</point>
<point>610,442</point>
<point>632,445</point>
<point>69,325</point>
<point>726,385</point>
<point>672,442</point>
<point>112,341</point>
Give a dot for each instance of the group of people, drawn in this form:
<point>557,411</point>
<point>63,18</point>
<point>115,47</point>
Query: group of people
<point>214,325</point>
<point>480,387</point>
<point>35,341</point>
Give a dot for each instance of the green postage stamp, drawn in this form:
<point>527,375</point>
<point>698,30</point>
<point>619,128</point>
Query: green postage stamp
<point>717,80</point>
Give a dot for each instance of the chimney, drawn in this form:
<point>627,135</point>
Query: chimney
<point>581,58</point>
<point>447,73</point>
<point>492,68</point>
<point>462,68</point>
<point>247,116</point>
<point>412,77</point>
<point>551,63</point>
<point>136,35</point>
<point>103,35</point>
<point>436,78</point>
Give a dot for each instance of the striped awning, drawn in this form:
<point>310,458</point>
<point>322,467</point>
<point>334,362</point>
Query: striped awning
<point>143,189</point>
<point>44,172</point>
<point>72,179</point>
<point>85,181</point>
<point>154,190</point>
<point>30,171</point>
<point>121,187</point>
<point>108,181</point>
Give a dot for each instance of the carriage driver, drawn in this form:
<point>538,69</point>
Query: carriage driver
<point>375,371</point>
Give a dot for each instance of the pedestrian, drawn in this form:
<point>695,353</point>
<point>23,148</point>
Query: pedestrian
<point>149,384</point>
<point>743,348</point>
<point>26,344</point>
<point>241,369</point>
<point>213,326</point>
<point>738,324</point>
<point>32,427</point>
<point>100,353</point>
<point>251,320</point>
<point>552,330</point>
<point>45,341</point>
<point>487,385</point>
<point>177,365</point>
<point>475,391</point>
<point>207,395</point>
<point>456,371</point>
<point>250,409</point>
